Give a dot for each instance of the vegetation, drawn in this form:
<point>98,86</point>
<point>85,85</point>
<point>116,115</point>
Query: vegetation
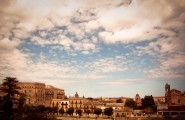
<point>70,111</point>
<point>130,103</point>
<point>87,111</point>
<point>119,100</point>
<point>61,111</point>
<point>79,112</point>
<point>12,104</point>
<point>148,104</point>
<point>54,110</point>
<point>97,111</point>
<point>10,88</point>
<point>108,111</point>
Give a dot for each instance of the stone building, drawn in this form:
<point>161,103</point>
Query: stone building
<point>173,96</point>
<point>138,100</point>
<point>39,93</point>
<point>53,93</point>
<point>159,100</point>
<point>77,102</point>
<point>60,103</point>
<point>34,92</point>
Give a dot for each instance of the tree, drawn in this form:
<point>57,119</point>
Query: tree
<point>87,111</point>
<point>48,109</point>
<point>79,112</point>
<point>108,111</point>
<point>54,110</point>
<point>97,111</point>
<point>21,104</point>
<point>61,111</point>
<point>130,103</point>
<point>148,104</point>
<point>10,88</point>
<point>41,108</point>
<point>70,111</point>
<point>148,101</point>
<point>119,100</point>
<point>35,113</point>
<point>89,98</point>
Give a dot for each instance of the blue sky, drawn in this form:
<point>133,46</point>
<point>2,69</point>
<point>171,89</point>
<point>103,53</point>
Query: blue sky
<point>97,48</point>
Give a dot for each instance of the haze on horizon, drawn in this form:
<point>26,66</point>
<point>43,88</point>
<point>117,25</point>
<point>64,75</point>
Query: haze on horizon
<point>103,48</point>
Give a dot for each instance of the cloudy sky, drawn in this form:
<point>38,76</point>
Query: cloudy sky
<point>95,47</point>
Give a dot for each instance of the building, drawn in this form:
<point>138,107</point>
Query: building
<point>77,102</point>
<point>60,103</point>
<point>39,93</point>
<point>159,100</point>
<point>34,92</point>
<point>122,113</point>
<point>138,100</point>
<point>174,97</point>
<point>174,103</point>
<point>53,93</point>
<point>90,105</point>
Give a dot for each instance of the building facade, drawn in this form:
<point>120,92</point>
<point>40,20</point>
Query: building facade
<point>34,92</point>
<point>174,97</point>
<point>39,93</point>
<point>138,100</point>
<point>60,103</point>
<point>77,102</point>
<point>159,100</point>
<point>53,93</point>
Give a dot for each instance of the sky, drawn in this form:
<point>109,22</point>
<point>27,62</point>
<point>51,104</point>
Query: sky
<point>99,48</point>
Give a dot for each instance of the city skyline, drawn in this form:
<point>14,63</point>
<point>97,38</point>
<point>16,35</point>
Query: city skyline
<point>97,48</point>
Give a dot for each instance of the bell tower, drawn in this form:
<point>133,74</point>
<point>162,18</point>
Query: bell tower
<point>167,94</point>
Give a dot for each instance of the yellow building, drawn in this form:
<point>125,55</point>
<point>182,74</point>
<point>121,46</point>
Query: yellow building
<point>77,102</point>
<point>159,100</point>
<point>53,93</point>
<point>60,103</point>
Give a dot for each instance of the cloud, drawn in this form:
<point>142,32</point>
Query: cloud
<point>168,50</point>
<point>81,16</point>
<point>137,21</point>
<point>122,82</point>
<point>109,65</point>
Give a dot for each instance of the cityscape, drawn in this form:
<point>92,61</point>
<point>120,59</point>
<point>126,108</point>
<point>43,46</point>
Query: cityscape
<point>47,96</point>
<point>92,59</point>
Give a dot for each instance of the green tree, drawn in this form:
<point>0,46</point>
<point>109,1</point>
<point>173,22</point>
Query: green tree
<point>130,103</point>
<point>35,113</point>
<point>148,104</point>
<point>10,88</point>
<point>21,104</point>
<point>41,108</point>
<point>70,111</point>
<point>87,111</point>
<point>97,111</point>
<point>79,112</point>
<point>54,110</point>
<point>48,109</point>
<point>61,111</point>
<point>108,111</point>
<point>119,100</point>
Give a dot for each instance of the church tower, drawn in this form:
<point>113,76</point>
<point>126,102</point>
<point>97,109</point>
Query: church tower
<point>167,94</point>
<point>76,95</point>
